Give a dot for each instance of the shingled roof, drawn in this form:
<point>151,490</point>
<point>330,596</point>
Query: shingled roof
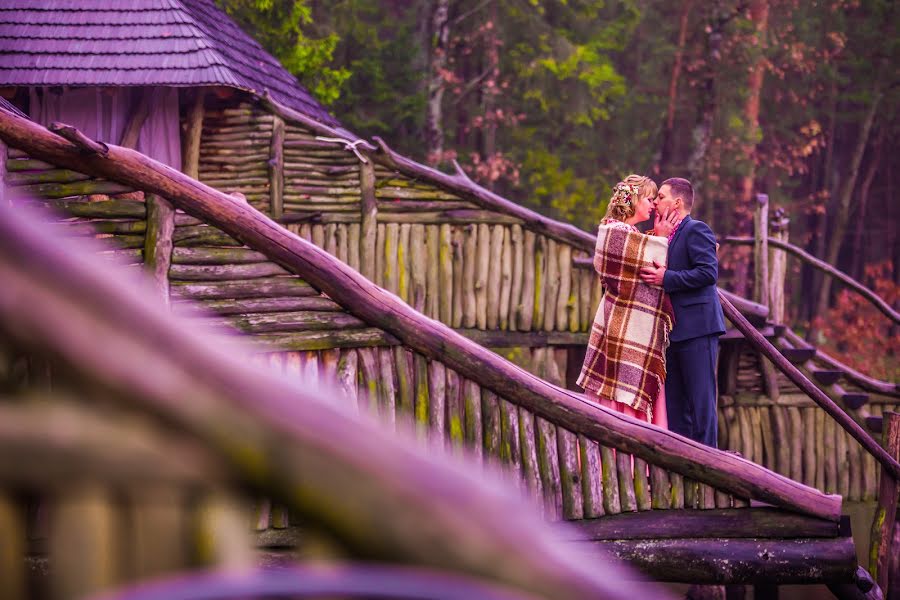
<point>139,42</point>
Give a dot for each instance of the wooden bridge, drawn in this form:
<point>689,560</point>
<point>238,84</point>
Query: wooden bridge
<point>391,280</point>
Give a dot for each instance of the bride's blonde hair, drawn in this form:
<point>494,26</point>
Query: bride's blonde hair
<point>626,193</point>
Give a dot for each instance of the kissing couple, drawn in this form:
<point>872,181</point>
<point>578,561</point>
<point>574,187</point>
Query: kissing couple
<point>655,338</point>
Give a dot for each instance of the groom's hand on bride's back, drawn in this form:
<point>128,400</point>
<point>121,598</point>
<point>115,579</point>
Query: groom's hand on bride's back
<point>653,275</point>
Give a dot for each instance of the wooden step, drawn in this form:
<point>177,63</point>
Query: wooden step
<point>875,424</point>
<point>770,332</point>
<point>827,376</point>
<point>854,400</point>
<point>798,356</point>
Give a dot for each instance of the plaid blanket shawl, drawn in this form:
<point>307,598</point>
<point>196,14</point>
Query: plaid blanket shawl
<point>625,359</point>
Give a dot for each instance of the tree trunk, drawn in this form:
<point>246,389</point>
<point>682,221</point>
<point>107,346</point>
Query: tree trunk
<point>702,133</point>
<point>668,132</point>
<point>842,218</point>
<point>828,182</point>
<point>434,121</point>
<point>859,248</point>
<point>489,90</point>
<point>759,15</point>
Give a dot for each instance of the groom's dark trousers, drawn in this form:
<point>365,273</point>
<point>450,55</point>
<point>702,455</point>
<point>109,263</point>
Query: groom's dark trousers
<point>690,280</point>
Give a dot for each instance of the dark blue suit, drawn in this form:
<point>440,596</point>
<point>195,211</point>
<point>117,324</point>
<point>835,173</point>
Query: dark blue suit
<point>690,280</point>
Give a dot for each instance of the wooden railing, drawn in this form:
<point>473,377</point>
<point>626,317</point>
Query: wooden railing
<point>497,381</point>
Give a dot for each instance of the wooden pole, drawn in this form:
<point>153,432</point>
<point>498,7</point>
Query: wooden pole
<point>369,209</point>
<point>710,561</point>
<point>158,243</point>
<point>276,169</point>
<point>190,155</point>
<point>883,548</point>
<point>761,250</point>
<point>138,116</point>
<point>4,156</point>
<point>431,338</point>
<point>778,266</point>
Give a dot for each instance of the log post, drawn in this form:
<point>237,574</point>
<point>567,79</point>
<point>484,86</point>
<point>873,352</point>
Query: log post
<point>778,266</point>
<point>882,547</point>
<point>761,250</point>
<point>190,154</point>
<point>4,155</point>
<point>137,118</point>
<point>12,523</point>
<point>369,208</point>
<point>158,242</point>
<point>276,169</point>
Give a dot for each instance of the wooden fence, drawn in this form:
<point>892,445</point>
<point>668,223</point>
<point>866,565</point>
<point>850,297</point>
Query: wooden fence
<point>481,272</point>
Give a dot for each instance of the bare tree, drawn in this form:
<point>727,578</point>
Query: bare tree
<point>438,45</point>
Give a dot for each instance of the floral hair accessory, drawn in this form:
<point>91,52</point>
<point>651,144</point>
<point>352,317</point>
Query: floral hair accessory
<point>624,194</point>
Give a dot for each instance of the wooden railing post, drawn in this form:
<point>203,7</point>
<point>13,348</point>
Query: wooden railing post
<point>369,217</point>
<point>883,563</point>
<point>761,250</point>
<point>777,265</point>
<point>190,145</point>
<point>3,158</point>
<point>276,169</point>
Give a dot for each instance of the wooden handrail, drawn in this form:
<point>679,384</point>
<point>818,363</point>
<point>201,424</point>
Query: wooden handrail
<point>826,268</point>
<point>766,348</point>
<point>433,339</point>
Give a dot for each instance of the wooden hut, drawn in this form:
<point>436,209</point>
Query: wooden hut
<point>132,73</point>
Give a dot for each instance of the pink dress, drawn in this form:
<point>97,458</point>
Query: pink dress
<point>660,419</point>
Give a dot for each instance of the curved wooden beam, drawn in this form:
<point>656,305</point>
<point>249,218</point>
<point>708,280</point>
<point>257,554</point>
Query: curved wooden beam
<point>766,348</point>
<point>433,339</point>
<point>828,269</point>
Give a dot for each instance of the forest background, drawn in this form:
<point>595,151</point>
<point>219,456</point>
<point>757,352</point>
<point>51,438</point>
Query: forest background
<point>551,102</point>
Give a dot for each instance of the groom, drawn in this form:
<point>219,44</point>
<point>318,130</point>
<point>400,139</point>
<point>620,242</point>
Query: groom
<point>690,280</point>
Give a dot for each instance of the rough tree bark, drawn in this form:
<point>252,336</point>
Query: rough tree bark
<point>438,46</point>
<point>489,90</point>
<point>859,248</point>
<point>665,159</point>
<point>759,16</point>
<point>702,132</point>
<point>842,218</point>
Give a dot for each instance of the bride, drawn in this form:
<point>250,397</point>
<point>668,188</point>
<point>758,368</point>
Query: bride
<point>625,365</point>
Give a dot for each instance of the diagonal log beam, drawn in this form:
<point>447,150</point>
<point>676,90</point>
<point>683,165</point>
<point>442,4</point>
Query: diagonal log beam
<point>719,469</point>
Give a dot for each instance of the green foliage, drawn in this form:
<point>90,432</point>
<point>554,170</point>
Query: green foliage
<point>384,95</point>
<point>580,200</point>
<point>285,29</point>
